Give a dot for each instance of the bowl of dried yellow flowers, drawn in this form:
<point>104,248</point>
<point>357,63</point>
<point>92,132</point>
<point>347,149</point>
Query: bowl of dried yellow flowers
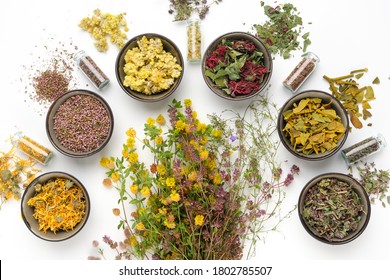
<point>149,67</point>
<point>55,206</point>
<point>313,125</point>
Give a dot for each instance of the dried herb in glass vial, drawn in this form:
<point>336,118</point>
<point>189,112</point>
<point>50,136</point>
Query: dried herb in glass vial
<point>363,149</point>
<point>194,40</point>
<point>301,72</point>
<point>91,70</point>
<point>31,148</point>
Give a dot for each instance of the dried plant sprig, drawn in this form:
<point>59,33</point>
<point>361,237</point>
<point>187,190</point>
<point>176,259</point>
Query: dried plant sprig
<point>210,190</point>
<point>183,9</point>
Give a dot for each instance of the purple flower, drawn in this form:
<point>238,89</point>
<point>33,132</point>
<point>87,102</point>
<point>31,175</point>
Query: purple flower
<point>233,138</point>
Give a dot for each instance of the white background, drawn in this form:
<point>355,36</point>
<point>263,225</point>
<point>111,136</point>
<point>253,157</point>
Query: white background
<point>346,35</point>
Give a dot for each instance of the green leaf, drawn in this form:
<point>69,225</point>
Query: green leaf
<point>233,70</point>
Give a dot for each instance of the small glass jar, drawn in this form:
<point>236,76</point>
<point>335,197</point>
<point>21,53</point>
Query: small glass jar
<point>31,148</point>
<point>363,149</point>
<point>301,72</point>
<point>194,40</point>
<point>88,66</point>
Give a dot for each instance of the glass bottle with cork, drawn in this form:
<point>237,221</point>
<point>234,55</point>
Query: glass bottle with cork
<point>88,66</point>
<point>194,39</point>
<point>301,72</point>
<point>31,148</point>
<point>363,149</point>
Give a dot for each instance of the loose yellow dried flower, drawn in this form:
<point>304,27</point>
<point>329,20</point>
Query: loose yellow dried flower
<point>160,119</point>
<point>103,25</point>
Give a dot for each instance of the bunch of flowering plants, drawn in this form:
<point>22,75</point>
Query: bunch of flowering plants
<point>206,193</point>
<point>236,66</point>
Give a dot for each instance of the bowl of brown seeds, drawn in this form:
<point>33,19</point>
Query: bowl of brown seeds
<point>79,123</point>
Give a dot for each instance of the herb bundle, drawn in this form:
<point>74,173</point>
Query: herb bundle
<point>237,67</point>
<point>210,189</point>
<point>183,9</point>
<point>282,32</point>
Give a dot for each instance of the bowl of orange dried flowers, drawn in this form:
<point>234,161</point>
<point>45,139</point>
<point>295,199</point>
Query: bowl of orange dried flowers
<point>55,206</point>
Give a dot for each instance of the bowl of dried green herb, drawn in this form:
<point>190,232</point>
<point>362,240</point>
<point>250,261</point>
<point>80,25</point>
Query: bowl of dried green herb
<point>334,208</point>
<point>149,67</point>
<point>237,66</point>
<point>79,123</point>
<point>55,206</point>
<point>313,125</point>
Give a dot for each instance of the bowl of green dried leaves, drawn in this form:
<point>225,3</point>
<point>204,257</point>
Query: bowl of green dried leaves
<point>313,125</point>
<point>237,66</point>
<point>334,208</point>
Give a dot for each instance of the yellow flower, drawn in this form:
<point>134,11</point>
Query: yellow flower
<point>107,163</point>
<point>180,125</point>
<point>199,220</point>
<point>145,191</point>
<point>204,155</point>
<point>194,114</point>
<point>130,142</point>
<point>134,189</point>
<point>133,157</point>
<point>131,132</point>
<point>169,224</point>
<point>170,182</point>
<point>125,153</point>
<point>217,180</point>
<point>133,240</point>
<point>162,211</point>
<point>140,226</point>
<point>150,121</point>
<point>217,133</point>
<point>115,176</point>
<point>160,119</point>
<point>187,102</point>
<point>159,140</point>
<point>192,176</point>
<point>161,169</point>
<point>175,196</point>
<point>201,127</point>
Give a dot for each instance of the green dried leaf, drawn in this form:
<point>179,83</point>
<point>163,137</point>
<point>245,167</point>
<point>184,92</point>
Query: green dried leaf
<point>376,81</point>
<point>370,93</point>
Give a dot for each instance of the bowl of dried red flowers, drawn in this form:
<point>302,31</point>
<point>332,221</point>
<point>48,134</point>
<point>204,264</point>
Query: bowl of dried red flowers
<point>79,123</point>
<point>313,125</point>
<point>237,66</point>
<point>149,67</point>
<point>55,206</point>
<point>334,208</point>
